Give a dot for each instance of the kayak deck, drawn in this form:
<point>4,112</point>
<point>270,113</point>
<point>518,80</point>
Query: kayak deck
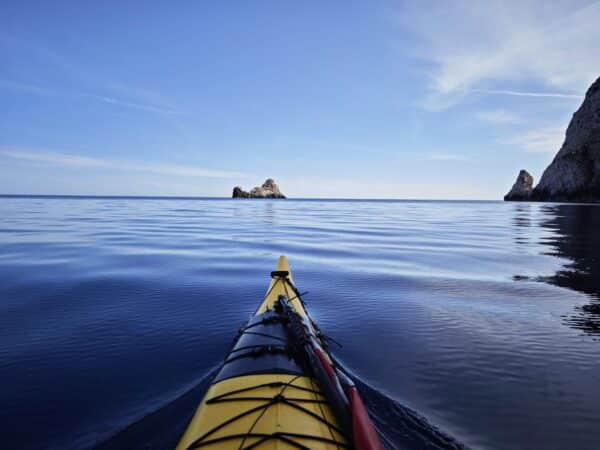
<point>262,398</point>
<point>279,287</point>
<point>257,421</point>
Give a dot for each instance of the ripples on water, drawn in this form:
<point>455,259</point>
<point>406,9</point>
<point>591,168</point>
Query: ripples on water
<point>481,316</point>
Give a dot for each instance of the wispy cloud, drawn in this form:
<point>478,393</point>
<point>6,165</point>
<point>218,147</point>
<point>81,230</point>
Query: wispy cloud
<point>140,106</point>
<point>546,139</point>
<point>492,46</point>
<point>443,157</point>
<point>73,80</point>
<point>25,87</point>
<point>83,161</point>
<point>183,171</point>
<point>527,94</point>
<point>498,117</point>
<point>34,89</point>
<point>60,159</point>
<point>357,188</point>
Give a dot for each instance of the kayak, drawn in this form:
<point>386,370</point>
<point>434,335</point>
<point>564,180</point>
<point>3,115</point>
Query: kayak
<point>279,387</point>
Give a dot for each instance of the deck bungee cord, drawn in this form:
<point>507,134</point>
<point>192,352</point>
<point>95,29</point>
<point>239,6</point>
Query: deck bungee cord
<point>279,388</point>
<point>270,401</point>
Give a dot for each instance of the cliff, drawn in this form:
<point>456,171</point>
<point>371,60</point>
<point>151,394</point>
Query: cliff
<point>574,174</point>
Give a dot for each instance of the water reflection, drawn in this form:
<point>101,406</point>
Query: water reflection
<point>576,237</point>
<point>269,214</point>
<point>522,223</point>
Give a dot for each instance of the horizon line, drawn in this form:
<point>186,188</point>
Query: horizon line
<point>200,197</point>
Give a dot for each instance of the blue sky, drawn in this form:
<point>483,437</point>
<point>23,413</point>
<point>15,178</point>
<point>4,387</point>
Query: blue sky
<point>332,99</point>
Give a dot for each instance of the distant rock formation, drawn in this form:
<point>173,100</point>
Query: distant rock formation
<point>238,192</point>
<point>522,188</point>
<point>269,189</point>
<point>574,174</point>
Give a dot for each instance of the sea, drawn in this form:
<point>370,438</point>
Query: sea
<point>466,324</point>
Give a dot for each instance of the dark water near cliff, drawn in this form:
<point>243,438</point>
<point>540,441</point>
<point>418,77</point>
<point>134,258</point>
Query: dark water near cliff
<point>483,317</point>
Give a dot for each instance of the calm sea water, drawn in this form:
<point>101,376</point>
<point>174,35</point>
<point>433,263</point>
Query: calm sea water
<point>483,317</point>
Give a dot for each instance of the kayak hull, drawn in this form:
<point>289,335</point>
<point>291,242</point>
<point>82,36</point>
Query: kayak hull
<point>262,398</point>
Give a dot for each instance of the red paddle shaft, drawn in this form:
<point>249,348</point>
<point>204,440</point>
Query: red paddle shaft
<point>345,398</point>
<point>363,430</point>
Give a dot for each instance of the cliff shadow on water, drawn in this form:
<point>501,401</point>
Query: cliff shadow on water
<point>399,427</point>
<point>574,237</point>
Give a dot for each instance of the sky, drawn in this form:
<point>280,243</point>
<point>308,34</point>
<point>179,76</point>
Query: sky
<point>377,99</point>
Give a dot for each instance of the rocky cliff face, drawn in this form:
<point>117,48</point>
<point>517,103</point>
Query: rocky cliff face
<point>269,189</point>
<point>522,188</point>
<point>574,174</point>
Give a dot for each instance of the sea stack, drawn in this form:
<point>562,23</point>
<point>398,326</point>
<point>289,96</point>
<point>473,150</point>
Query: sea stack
<point>522,188</point>
<point>269,189</point>
<point>574,174</point>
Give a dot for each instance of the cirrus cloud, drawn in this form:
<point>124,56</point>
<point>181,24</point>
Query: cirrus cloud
<point>83,161</point>
<point>547,139</point>
<point>497,47</point>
